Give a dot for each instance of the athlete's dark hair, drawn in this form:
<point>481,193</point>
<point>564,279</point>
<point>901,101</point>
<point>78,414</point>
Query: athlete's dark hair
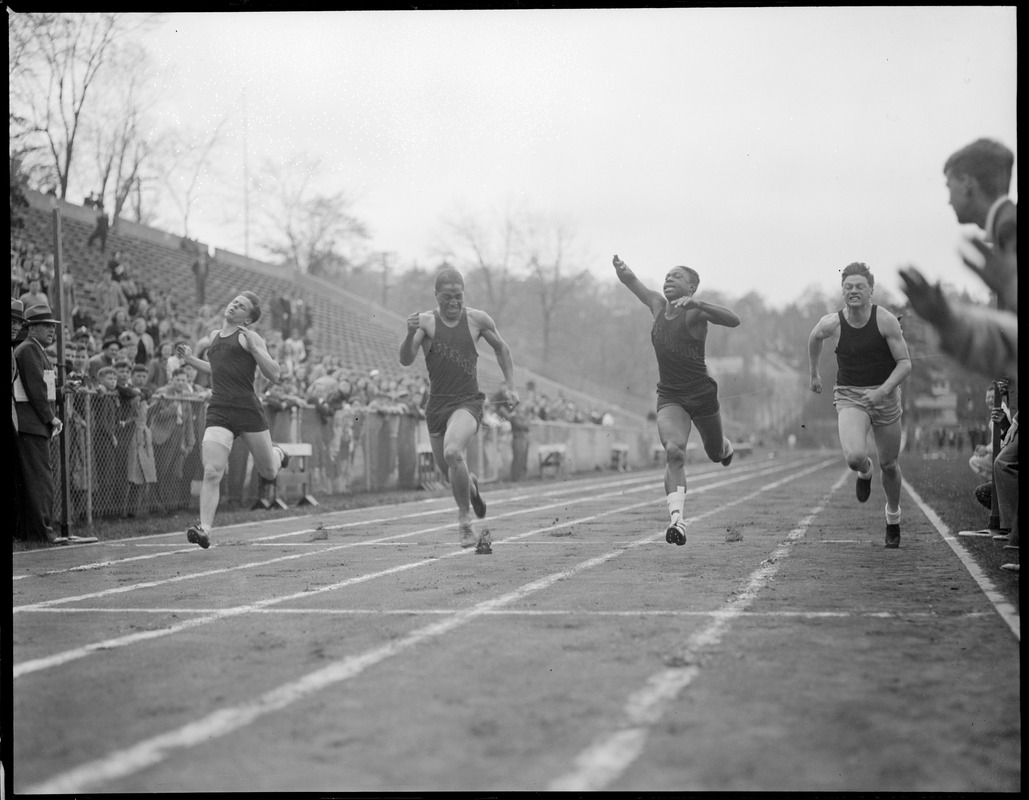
<point>694,275</point>
<point>255,304</point>
<point>986,160</point>
<point>857,268</point>
<point>448,275</point>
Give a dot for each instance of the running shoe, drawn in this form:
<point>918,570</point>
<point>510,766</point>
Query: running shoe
<point>676,533</point>
<point>468,537</point>
<point>484,546</point>
<point>197,535</point>
<point>893,536</point>
<point>727,459</point>
<point>478,504</point>
<point>863,488</point>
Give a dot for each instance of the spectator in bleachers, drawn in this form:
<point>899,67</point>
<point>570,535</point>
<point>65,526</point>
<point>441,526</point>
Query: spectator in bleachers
<point>196,388</point>
<point>100,231</point>
<point>78,387</point>
<point>205,322</point>
<point>166,306</point>
<point>117,322</point>
<point>159,369</point>
<point>116,267</point>
<point>299,377</point>
<point>145,345</point>
<point>324,394</point>
<point>139,376</point>
<point>111,296</point>
<point>153,325</point>
<point>105,443</point>
<point>82,317</point>
<point>34,295</point>
<point>324,366</point>
<point>293,349</point>
<point>141,468</point>
<point>174,436</point>
<point>166,331</point>
<point>105,358</point>
<point>283,313</point>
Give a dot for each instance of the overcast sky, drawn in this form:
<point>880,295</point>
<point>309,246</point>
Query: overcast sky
<point>766,148</point>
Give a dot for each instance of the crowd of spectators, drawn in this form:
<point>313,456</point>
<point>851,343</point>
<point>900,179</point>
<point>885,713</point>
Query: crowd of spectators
<point>142,408</point>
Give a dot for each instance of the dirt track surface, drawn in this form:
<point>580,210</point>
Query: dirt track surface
<point>584,654</point>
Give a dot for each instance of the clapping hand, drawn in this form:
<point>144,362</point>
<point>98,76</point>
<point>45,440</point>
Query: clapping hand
<point>996,271</point>
<point>927,300</point>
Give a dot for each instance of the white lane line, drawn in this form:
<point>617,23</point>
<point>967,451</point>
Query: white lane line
<point>1007,611</point>
<point>535,612</point>
<point>148,540</point>
<point>224,721</point>
<point>58,659</point>
<point>394,538</point>
<point>603,761</point>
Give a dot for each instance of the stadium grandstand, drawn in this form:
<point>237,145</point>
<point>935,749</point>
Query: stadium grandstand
<point>362,336</point>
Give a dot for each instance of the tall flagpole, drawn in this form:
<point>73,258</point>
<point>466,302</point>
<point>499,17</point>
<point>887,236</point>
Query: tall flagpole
<point>246,182</point>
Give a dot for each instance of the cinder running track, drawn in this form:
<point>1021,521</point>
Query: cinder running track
<point>584,654</point>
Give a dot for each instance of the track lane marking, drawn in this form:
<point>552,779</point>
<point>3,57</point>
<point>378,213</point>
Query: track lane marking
<point>347,545</point>
<point>608,756</point>
<point>1006,610</point>
<point>220,723</point>
<point>148,540</point>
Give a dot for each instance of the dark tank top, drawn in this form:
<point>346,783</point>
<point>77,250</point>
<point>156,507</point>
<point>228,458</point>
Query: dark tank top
<point>863,354</point>
<point>233,370</point>
<point>451,360</point>
<point>680,355</point>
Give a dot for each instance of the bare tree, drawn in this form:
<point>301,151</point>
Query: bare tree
<point>492,252</point>
<point>186,157</point>
<point>56,73</point>
<point>313,231</point>
<point>121,131</point>
<point>547,243</point>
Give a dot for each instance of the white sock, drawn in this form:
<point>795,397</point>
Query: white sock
<point>676,502</point>
<point>866,474</point>
<point>892,517</point>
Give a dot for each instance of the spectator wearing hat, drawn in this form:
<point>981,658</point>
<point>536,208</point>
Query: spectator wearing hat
<point>109,352</point>
<point>35,390</point>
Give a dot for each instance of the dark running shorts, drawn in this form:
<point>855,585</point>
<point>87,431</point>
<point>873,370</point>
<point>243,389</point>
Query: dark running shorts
<point>238,419</point>
<point>701,400</point>
<point>439,409</point>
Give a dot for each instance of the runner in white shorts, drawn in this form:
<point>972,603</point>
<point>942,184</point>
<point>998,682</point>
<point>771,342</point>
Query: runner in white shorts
<point>873,361</point>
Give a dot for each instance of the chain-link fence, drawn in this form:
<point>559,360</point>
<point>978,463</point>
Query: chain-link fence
<point>126,456</point>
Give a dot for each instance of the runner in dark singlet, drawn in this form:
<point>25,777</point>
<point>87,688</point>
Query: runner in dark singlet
<point>234,355</point>
<point>448,336</point>
<point>686,394</point>
<point>873,361</point>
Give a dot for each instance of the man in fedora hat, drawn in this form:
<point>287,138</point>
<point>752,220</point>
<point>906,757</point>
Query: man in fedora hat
<point>35,392</point>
